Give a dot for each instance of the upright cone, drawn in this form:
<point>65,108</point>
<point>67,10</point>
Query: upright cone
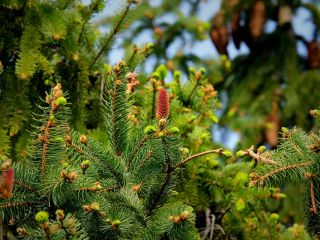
<point>163,109</point>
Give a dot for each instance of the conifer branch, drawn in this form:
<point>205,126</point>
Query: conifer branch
<point>169,173</point>
<point>94,189</point>
<point>25,186</point>
<point>313,200</point>
<point>260,158</point>
<point>153,106</point>
<point>193,89</point>
<point>93,7</point>
<point>296,148</point>
<point>148,156</point>
<point>183,162</point>
<point>45,144</point>
<point>109,188</point>
<point>167,156</point>
<point>115,101</point>
<point>136,150</point>
<point>16,204</point>
<point>114,32</point>
<point>79,150</point>
<point>103,79</point>
<point>130,61</point>
<point>89,157</point>
<point>158,196</point>
<point>261,179</point>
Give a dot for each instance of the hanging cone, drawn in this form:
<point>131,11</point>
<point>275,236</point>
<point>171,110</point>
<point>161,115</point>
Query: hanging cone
<point>284,15</point>
<point>219,33</point>
<point>313,54</point>
<point>236,29</point>
<point>257,19</point>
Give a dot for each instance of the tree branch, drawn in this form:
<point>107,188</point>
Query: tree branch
<point>136,150</point>
<point>260,158</point>
<point>261,179</point>
<point>114,32</point>
<point>183,162</point>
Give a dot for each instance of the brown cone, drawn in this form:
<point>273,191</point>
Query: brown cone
<point>313,55</point>
<point>257,19</point>
<point>236,29</point>
<point>219,33</point>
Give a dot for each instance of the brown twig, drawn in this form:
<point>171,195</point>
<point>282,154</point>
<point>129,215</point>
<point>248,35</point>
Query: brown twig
<point>114,32</point>
<point>15,204</point>
<point>45,144</point>
<point>25,186</point>
<point>109,188</point>
<point>136,150</point>
<point>154,93</point>
<point>260,158</point>
<point>183,162</point>
<point>94,189</point>
<point>149,155</point>
<point>313,200</point>
<point>79,150</point>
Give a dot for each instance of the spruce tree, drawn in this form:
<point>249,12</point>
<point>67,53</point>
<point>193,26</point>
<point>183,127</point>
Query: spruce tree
<point>70,186</point>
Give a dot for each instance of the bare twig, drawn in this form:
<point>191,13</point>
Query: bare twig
<point>114,32</point>
<point>183,162</point>
<point>313,200</point>
<point>22,184</point>
<point>260,158</point>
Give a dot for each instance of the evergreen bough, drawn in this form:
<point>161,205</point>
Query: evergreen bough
<point>70,186</point>
<point>296,159</point>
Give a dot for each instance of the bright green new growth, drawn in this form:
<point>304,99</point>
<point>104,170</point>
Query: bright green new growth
<point>42,217</point>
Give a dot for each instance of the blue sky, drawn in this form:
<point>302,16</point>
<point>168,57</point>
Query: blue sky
<point>301,24</point>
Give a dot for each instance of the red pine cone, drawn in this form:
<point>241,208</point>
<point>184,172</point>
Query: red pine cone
<point>6,184</point>
<point>163,109</point>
